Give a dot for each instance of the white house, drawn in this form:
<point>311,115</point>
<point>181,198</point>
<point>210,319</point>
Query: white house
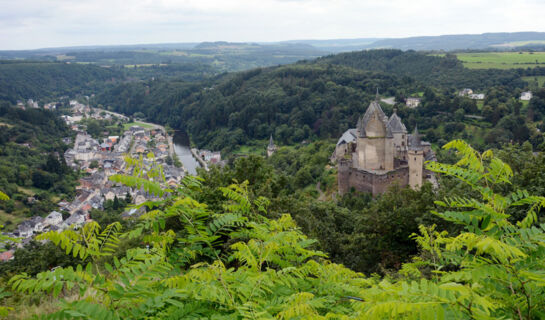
<point>526,95</point>
<point>412,102</point>
<point>477,96</point>
<point>53,219</point>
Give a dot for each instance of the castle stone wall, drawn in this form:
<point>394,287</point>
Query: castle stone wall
<point>365,181</point>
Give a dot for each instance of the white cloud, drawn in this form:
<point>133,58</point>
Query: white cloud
<point>37,23</point>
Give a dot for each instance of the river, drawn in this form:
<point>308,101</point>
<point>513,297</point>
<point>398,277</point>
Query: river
<point>183,151</point>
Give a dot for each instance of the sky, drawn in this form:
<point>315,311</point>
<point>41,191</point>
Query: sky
<point>31,24</point>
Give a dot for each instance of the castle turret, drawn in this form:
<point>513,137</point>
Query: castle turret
<point>271,148</point>
<point>416,160</point>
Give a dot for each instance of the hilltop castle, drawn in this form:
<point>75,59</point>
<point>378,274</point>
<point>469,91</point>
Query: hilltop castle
<point>379,152</point>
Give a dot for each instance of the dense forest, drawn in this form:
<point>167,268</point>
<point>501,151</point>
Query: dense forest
<point>222,251</point>
<point>22,80</point>
<point>434,71</point>
<point>32,168</point>
<point>322,98</point>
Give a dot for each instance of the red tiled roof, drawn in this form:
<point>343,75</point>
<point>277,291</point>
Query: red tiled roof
<point>6,256</point>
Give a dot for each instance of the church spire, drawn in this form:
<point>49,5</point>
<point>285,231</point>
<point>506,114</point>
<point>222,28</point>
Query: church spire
<point>271,143</point>
<point>271,148</point>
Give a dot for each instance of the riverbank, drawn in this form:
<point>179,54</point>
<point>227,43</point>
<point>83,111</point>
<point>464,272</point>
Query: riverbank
<point>201,161</point>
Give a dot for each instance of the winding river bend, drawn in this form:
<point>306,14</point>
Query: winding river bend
<point>183,151</point>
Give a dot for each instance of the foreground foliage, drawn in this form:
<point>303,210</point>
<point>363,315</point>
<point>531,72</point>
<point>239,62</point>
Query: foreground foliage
<point>234,263</point>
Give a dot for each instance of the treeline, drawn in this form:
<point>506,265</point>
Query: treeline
<point>50,80</point>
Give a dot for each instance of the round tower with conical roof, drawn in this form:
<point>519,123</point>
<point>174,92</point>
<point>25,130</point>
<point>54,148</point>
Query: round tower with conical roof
<point>416,160</point>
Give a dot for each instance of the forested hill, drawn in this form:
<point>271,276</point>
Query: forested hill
<point>41,80</point>
<point>31,163</point>
<point>431,70</point>
<point>292,102</point>
<point>295,102</point>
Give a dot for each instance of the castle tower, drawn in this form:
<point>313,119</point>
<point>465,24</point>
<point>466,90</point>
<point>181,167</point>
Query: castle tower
<point>271,148</point>
<point>399,132</point>
<point>416,160</point>
<point>374,146</point>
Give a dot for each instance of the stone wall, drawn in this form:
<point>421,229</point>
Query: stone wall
<point>365,181</point>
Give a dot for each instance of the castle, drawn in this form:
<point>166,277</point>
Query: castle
<point>379,153</point>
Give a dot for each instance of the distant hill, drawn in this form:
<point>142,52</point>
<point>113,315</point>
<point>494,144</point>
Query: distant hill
<point>221,56</point>
<point>498,41</point>
<point>338,45</point>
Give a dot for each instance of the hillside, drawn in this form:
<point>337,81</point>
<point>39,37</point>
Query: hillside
<point>445,71</point>
<point>219,56</point>
<point>222,56</point>
<point>38,80</point>
<point>292,102</point>
<point>31,163</point>
<point>502,40</point>
<point>305,100</point>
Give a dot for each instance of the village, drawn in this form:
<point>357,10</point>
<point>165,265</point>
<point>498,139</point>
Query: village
<point>99,159</point>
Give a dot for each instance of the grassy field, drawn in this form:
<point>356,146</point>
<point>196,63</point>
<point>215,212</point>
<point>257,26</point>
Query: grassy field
<point>502,60</point>
<point>531,80</point>
<point>519,43</point>
<point>127,126</point>
<point>14,220</point>
<point>257,147</point>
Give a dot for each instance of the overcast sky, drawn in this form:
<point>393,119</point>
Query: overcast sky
<point>29,24</point>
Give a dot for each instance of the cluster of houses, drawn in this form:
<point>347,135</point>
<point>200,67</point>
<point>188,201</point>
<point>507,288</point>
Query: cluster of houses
<point>30,103</point>
<point>100,161</point>
<point>154,141</point>
<point>210,157</point>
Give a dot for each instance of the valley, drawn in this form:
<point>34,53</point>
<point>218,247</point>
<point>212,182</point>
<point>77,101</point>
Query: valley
<point>273,180</point>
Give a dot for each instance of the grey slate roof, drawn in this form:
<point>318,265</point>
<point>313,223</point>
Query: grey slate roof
<point>414,140</point>
<point>374,108</point>
<point>348,136</point>
<point>395,124</point>
<point>271,143</point>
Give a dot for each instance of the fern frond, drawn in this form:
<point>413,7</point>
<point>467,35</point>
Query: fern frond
<point>138,183</point>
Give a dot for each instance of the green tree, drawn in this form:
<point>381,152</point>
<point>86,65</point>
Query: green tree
<point>188,261</point>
